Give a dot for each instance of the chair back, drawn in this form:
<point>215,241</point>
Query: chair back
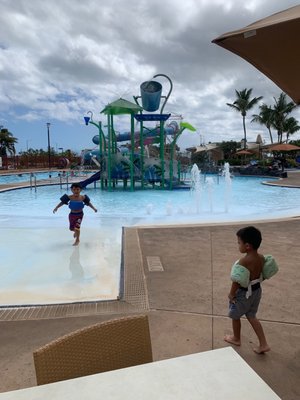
<point>105,346</point>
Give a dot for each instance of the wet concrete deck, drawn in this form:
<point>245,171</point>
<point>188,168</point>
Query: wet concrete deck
<point>186,302</point>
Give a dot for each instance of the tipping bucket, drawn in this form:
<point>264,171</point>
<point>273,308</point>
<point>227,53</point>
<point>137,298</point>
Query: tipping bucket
<point>151,94</point>
<point>86,120</point>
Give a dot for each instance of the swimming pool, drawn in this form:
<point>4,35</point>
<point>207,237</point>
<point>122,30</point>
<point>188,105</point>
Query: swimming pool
<point>245,199</point>
<point>25,176</point>
<point>39,265</point>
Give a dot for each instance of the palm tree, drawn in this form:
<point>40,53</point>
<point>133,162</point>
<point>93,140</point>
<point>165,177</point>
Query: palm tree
<point>265,117</point>
<point>7,143</point>
<point>242,104</point>
<point>280,111</point>
<point>290,126</point>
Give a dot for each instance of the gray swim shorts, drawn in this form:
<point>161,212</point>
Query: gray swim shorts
<point>245,306</point>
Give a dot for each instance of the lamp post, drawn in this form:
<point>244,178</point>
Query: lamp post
<point>49,156</point>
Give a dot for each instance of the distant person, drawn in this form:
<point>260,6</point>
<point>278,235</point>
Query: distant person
<point>76,202</point>
<point>245,294</point>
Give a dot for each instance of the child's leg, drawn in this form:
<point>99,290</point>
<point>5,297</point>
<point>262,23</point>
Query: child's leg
<point>76,236</point>
<point>77,225</point>
<point>236,337</point>
<point>258,329</point>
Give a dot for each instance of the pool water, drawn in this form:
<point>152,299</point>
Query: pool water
<point>39,265</point>
<point>25,176</point>
<point>247,198</point>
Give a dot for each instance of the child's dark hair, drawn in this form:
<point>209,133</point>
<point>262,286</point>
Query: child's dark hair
<point>250,235</point>
<point>76,185</point>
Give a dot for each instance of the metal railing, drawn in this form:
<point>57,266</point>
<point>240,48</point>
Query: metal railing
<point>33,182</point>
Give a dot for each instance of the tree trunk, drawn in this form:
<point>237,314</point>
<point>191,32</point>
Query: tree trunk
<point>245,135</point>
<point>270,133</point>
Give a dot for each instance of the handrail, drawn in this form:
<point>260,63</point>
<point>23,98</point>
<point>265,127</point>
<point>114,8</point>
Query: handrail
<point>33,181</point>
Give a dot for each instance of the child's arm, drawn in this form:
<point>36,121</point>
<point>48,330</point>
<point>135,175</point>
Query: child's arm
<point>234,288</point>
<point>57,207</point>
<point>92,207</point>
<point>87,202</point>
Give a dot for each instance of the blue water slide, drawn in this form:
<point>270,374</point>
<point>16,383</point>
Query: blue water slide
<point>171,129</point>
<point>91,179</point>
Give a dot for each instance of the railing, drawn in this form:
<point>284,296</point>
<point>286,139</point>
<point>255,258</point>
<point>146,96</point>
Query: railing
<point>66,176</point>
<point>33,182</point>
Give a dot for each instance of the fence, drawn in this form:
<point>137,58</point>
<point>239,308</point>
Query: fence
<point>36,161</point>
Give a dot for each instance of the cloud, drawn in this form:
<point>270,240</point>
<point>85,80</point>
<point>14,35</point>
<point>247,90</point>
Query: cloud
<point>61,59</point>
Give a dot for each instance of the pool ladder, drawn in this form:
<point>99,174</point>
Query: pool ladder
<point>61,180</point>
<point>32,182</point>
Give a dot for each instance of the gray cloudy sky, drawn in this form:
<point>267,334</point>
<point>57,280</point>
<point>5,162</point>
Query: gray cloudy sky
<point>61,58</point>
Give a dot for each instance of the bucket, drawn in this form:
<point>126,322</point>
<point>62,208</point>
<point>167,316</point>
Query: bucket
<point>86,120</point>
<point>151,94</point>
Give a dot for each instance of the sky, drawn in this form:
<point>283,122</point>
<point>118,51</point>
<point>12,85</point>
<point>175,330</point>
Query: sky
<point>60,59</point>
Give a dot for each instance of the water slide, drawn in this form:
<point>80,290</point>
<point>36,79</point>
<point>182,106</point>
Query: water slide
<point>171,129</point>
<point>91,179</point>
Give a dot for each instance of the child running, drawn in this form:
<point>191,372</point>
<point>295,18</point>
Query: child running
<point>76,202</point>
<point>245,294</point>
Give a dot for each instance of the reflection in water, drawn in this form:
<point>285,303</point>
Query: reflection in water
<point>79,285</point>
<point>75,266</point>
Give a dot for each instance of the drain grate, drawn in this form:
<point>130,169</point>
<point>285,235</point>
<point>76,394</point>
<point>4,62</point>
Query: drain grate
<point>154,263</point>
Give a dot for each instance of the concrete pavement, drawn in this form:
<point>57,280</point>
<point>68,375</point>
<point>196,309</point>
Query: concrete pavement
<point>187,304</point>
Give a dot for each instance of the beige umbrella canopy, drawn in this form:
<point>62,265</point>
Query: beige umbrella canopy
<point>272,46</point>
<point>245,152</point>
<point>283,147</point>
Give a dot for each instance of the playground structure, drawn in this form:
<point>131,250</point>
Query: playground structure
<point>133,162</point>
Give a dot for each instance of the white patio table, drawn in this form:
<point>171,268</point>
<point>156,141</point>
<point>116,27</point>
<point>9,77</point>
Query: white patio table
<point>217,374</point>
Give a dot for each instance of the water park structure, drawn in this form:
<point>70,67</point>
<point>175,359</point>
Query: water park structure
<point>133,162</point>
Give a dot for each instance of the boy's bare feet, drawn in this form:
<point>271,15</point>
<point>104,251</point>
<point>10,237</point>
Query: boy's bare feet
<point>232,340</point>
<point>261,349</point>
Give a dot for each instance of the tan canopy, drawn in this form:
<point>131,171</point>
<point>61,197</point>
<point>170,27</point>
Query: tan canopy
<point>272,46</point>
<point>246,152</point>
<point>283,147</point>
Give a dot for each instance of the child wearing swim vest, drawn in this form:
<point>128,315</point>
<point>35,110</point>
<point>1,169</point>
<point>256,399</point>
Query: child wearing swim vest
<point>76,202</point>
<point>245,294</point>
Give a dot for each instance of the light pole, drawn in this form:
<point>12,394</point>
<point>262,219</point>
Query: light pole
<point>49,156</point>
<point>27,141</point>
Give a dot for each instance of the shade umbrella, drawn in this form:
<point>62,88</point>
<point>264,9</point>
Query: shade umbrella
<point>284,147</point>
<point>245,152</point>
<point>272,46</point>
